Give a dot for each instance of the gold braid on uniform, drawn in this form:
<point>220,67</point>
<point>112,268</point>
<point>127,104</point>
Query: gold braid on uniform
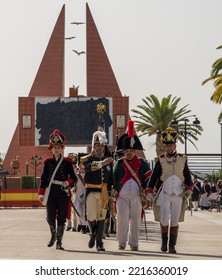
<point>95,165</point>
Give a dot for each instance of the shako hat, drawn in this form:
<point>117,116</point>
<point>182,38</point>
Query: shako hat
<point>169,136</point>
<point>56,138</point>
<point>129,140</point>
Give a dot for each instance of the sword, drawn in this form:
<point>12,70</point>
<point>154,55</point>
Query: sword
<point>144,215</point>
<point>70,196</point>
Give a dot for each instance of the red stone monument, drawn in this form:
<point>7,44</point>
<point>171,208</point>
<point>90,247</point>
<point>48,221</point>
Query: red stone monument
<point>49,81</point>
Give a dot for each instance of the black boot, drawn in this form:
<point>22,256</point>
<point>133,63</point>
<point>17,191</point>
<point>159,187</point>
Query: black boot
<point>107,229</point>
<point>84,230</point>
<point>60,232</point>
<point>164,236</point>
<point>92,227</point>
<point>99,236</point>
<point>53,236</point>
<point>173,239</point>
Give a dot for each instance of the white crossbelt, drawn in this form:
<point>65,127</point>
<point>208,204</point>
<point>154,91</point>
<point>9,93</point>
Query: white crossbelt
<point>57,182</point>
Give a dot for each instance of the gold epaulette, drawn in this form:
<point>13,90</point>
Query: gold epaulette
<point>182,155</point>
<point>47,159</point>
<point>84,158</point>
<point>186,158</point>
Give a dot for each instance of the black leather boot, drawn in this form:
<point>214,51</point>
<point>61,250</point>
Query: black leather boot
<point>164,236</point>
<point>99,236</point>
<point>53,236</point>
<point>107,229</point>
<point>173,239</point>
<point>84,230</point>
<point>93,228</point>
<point>60,232</point>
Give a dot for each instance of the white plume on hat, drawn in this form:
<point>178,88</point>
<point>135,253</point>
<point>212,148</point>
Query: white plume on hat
<point>99,137</point>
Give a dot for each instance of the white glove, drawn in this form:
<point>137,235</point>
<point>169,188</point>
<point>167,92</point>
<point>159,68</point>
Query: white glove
<point>41,197</point>
<point>149,197</point>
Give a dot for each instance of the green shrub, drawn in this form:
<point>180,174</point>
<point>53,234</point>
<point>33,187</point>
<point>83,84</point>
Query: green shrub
<point>27,182</point>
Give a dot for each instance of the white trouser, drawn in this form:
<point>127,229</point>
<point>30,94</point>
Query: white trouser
<point>170,209</point>
<point>195,204</point>
<point>128,219</point>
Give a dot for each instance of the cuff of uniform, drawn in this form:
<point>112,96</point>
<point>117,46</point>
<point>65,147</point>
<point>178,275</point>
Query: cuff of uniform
<point>41,191</point>
<point>69,181</point>
<point>148,174</point>
<point>189,188</point>
<point>149,190</point>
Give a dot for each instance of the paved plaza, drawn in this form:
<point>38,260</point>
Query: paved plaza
<point>24,234</point>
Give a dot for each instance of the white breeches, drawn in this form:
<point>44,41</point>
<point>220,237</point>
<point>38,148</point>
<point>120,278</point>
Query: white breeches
<point>94,209</point>
<point>195,204</point>
<point>128,219</point>
<point>170,209</point>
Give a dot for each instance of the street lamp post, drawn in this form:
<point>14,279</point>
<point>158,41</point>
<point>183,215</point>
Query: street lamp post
<point>175,122</point>
<point>220,122</point>
<point>35,161</point>
<point>185,134</point>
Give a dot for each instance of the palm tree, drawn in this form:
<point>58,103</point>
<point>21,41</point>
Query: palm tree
<point>154,116</point>
<point>216,75</point>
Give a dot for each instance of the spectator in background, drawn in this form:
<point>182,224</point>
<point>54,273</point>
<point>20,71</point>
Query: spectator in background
<point>79,200</point>
<point>71,215</point>
<point>213,188</point>
<point>205,195</point>
<point>219,191</point>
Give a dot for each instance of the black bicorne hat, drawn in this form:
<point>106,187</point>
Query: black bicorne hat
<point>129,140</point>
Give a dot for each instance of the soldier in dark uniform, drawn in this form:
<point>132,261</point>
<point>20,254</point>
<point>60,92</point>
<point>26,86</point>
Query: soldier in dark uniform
<point>98,183</point>
<point>172,179</point>
<point>57,183</point>
<point>196,192</point>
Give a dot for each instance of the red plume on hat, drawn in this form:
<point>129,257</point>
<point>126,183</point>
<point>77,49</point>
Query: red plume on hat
<point>130,128</point>
<point>129,140</point>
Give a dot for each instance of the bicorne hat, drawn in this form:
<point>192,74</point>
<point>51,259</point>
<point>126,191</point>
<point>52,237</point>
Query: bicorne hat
<point>169,136</point>
<point>99,137</point>
<point>56,138</point>
<point>129,140</point>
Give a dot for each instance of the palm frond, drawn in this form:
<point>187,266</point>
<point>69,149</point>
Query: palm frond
<point>154,116</point>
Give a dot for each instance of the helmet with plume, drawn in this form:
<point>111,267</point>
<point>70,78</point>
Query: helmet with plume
<point>99,137</point>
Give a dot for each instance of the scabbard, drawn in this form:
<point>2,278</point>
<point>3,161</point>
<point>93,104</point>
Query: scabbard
<point>70,197</point>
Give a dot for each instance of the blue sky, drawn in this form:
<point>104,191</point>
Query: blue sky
<point>156,47</point>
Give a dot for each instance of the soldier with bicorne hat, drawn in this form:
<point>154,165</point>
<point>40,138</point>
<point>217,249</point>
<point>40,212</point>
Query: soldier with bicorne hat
<point>171,178</point>
<point>131,174</point>
<point>57,176</point>
<point>98,182</point>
